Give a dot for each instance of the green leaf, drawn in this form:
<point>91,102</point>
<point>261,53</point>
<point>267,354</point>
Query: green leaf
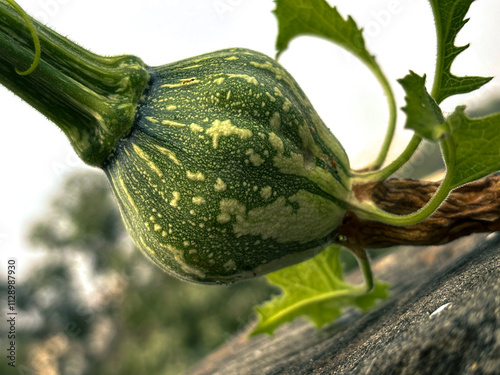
<point>449,16</point>
<point>315,289</point>
<point>318,18</point>
<point>475,147</point>
<point>423,114</point>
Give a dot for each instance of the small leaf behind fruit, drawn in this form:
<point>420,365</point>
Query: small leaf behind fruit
<point>315,289</point>
<point>423,114</point>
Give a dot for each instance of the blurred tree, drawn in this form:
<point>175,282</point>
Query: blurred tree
<point>96,305</point>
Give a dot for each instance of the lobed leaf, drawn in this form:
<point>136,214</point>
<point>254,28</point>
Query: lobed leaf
<point>317,17</point>
<point>475,150</point>
<point>423,114</point>
<point>315,289</point>
<point>449,16</point>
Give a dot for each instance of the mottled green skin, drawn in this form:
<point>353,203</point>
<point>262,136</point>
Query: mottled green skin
<point>212,185</point>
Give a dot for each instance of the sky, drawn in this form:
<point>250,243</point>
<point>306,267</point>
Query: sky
<point>35,155</point>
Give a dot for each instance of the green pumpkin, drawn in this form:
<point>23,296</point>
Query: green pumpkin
<point>228,173</point>
<point>220,165</point>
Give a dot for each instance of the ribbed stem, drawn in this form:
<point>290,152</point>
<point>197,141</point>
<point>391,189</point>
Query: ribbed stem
<point>90,97</point>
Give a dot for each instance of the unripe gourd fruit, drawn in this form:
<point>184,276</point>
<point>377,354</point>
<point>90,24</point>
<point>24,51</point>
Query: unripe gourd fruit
<point>220,165</point>
<point>228,172</point>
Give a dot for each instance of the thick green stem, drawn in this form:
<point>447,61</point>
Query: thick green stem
<point>91,98</point>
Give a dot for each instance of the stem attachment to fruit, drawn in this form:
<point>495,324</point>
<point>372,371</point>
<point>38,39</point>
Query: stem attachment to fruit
<point>92,98</point>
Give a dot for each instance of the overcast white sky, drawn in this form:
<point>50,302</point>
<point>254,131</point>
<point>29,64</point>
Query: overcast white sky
<point>34,154</point>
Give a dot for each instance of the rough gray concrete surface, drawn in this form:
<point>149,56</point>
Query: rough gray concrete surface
<point>399,336</point>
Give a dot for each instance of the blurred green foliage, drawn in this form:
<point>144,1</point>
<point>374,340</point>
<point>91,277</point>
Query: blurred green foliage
<point>93,304</point>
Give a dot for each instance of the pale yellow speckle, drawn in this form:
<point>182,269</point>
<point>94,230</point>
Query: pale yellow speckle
<point>198,200</point>
<point>173,123</point>
<point>195,176</point>
<point>247,78</point>
<point>232,58</point>
<point>272,98</point>
<point>230,265</point>
<point>195,128</point>
<point>183,82</point>
<point>152,119</point>
<point>219,80</point>
<point>186,243</point>
<point>146,158</point>
<point>277,92</point>
<point>171,155</point>
<point>266,192</point>
<point>275,121</point>
<point>171,107</point>
<point>180,260</point>
<point>255,159</point>
<point>157,228</point>
<point>280,74</point>
<point>220,185</point>
<point>226,128</point>
<point>276,142</point>
<point>191,67</point>
<point>203,59</point>
<point>314,218</point>
<point>145,246</point>
<point>230,207</point>
<point>223,218</point>
<point>164,234</point>
<point>175,201</point>
<point>130,200</point>
<point>287,105</point>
